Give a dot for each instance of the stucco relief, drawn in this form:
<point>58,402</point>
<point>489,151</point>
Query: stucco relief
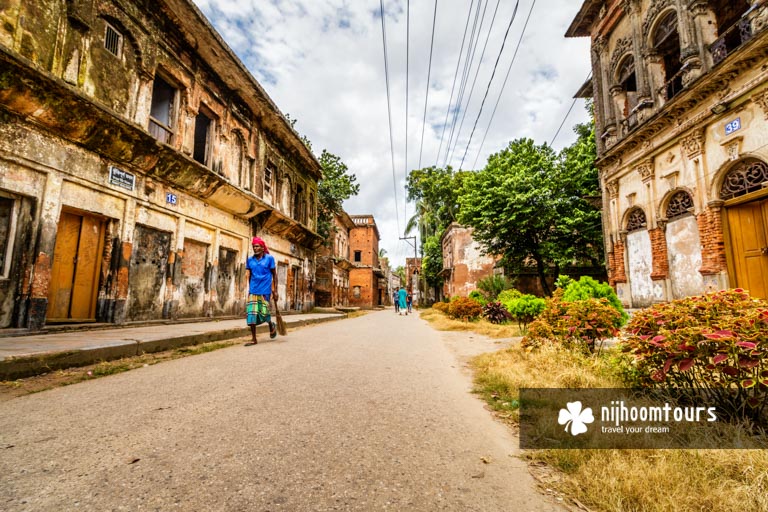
<point>653,12</point>
<point>693,144</point>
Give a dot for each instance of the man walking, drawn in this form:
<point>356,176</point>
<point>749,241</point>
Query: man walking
<point>402,306</point>
<point>395,301</point>
<point>262,284</point>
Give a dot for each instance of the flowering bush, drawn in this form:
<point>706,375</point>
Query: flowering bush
<point>496,313</point>
<point>464,307</point>
<point>581,323</point>
<point>717,341</point>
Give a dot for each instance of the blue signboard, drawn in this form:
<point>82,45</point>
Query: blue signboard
<point>733,126</point>
<point>171,198</point>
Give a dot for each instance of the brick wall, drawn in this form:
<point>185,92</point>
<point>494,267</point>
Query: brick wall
<point>712,245</point>
<point>659,254</point>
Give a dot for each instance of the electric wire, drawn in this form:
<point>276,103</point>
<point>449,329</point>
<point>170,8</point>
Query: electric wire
<point>429,73</point>
<point>389,111</point>
<point>455,76</point>
<point>477,72</point>
<point>501,92</point>
<point>493,74</point>
<point>463,84</point>
<point>567,114</point>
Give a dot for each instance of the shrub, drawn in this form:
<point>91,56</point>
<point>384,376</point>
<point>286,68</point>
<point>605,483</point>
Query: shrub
<point>440,306</point>
<point>494,285</point>
<point>580,323</point>
<point>563,281</point>
<point>507,296</point>
<point>496,313</point>
<point>525,309</point>
<point>479,297</point>
<point>464,307</point>
<point>588,288</point>
<point>717,341</point>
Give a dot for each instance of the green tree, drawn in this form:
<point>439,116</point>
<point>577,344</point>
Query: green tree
<point>436,192</point>
<point>337,185</point>
<point>432,262</point>
<point>528,206</point>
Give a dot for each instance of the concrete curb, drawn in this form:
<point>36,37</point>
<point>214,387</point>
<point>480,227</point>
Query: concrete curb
<point>17,367</point>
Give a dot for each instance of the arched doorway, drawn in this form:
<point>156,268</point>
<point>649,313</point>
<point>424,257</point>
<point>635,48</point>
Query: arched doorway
<point>746,225</point>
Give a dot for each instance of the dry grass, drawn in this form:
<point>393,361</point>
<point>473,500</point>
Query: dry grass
<point>443,322</point>
<point>623,480</point>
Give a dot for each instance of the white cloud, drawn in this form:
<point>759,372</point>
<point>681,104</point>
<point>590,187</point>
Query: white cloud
<point>321,61</point>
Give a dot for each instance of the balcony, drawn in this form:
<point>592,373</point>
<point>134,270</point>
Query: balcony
<point>735,36</point>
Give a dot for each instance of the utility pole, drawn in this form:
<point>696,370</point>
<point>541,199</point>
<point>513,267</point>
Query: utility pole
<point>416,294</point>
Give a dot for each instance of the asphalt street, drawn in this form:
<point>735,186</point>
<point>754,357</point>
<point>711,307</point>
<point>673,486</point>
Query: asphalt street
<point>370,413</point>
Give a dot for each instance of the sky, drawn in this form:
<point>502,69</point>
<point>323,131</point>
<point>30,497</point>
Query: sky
<point>322,62</point>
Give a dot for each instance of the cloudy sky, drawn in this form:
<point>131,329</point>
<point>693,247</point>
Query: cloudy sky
<point>322,62</point>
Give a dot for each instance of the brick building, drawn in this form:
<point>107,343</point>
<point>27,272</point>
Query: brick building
<point>680,90</point>
<point>137,158</point>
<point>333,266</point>
<point>367,281</point>
<point>464,263</point>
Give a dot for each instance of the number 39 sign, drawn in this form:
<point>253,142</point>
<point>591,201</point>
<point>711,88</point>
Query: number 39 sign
<point>733,126</point>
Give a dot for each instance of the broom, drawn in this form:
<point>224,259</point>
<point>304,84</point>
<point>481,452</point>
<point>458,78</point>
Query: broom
<point>282,329</point>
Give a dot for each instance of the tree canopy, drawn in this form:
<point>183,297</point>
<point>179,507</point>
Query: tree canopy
<point>532,206</point>
<point>337,185</point>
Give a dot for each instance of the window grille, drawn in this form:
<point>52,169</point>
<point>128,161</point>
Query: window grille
<point>748,176</point>
<point>681,204</point>
<point>113,40</point>
<point>636,220</point>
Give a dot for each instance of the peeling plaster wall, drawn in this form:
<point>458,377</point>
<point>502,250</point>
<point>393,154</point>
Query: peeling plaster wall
<point>640,263</point>
<point>685,257</point>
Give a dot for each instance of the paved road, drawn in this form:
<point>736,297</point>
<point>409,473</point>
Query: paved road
<point>371,413</point>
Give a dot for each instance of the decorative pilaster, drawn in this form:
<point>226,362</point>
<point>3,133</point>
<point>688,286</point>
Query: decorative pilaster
<point>659,253</point>
<point>693,144</point>
<point>646,170</point>
<point>712,244</point>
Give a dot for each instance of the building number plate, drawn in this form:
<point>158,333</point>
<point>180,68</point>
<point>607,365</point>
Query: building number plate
<point>171,198</point>
<point>733,126</point>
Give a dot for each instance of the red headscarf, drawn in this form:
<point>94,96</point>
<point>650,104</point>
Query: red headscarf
<point>258,241</point>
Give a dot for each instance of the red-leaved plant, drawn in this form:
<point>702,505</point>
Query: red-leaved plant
<point>716,342</point>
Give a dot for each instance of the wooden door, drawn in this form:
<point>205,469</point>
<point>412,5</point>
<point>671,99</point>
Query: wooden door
<point>75,272</point>
<point>748,227</point>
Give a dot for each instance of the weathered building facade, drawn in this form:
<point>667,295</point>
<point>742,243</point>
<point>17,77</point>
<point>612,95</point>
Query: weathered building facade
<point>333,266</point>
<point>680,93</point>
<point>137,158</point>
<point>464,263</point>
<point>367,281</point>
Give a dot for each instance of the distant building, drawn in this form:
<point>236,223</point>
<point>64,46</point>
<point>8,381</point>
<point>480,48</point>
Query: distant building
<point>681,115</point>
<point>137,158</point>
<point>464,264</point>
<point>333,266</point>
<point>367,281</point>
<point>414,282</point>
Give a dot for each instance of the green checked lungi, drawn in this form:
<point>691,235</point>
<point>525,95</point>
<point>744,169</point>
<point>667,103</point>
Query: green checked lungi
<point>258,310</point>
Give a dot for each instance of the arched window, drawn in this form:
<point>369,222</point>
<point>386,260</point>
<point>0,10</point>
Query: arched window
<point>680,204</point>
<point>627,80</point>
<point>747,176</point>
<point>636,220</point>
<point>666,41</point>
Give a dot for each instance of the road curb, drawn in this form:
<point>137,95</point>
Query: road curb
<point>17,367</point>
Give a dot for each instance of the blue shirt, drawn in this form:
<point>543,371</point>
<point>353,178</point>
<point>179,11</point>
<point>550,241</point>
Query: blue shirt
<point>261,274</point>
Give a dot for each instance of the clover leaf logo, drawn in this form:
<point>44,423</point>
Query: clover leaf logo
<point>575,418</point>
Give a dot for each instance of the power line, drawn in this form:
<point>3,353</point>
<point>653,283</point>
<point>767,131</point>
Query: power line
<point>503,43</point>
<point>429,72</point>
<point>389,110</point>
<point>567,114</point>
<point>501,92</point>
<point>464,77</point>
<point>477,72</point>
<point>455,75</point>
